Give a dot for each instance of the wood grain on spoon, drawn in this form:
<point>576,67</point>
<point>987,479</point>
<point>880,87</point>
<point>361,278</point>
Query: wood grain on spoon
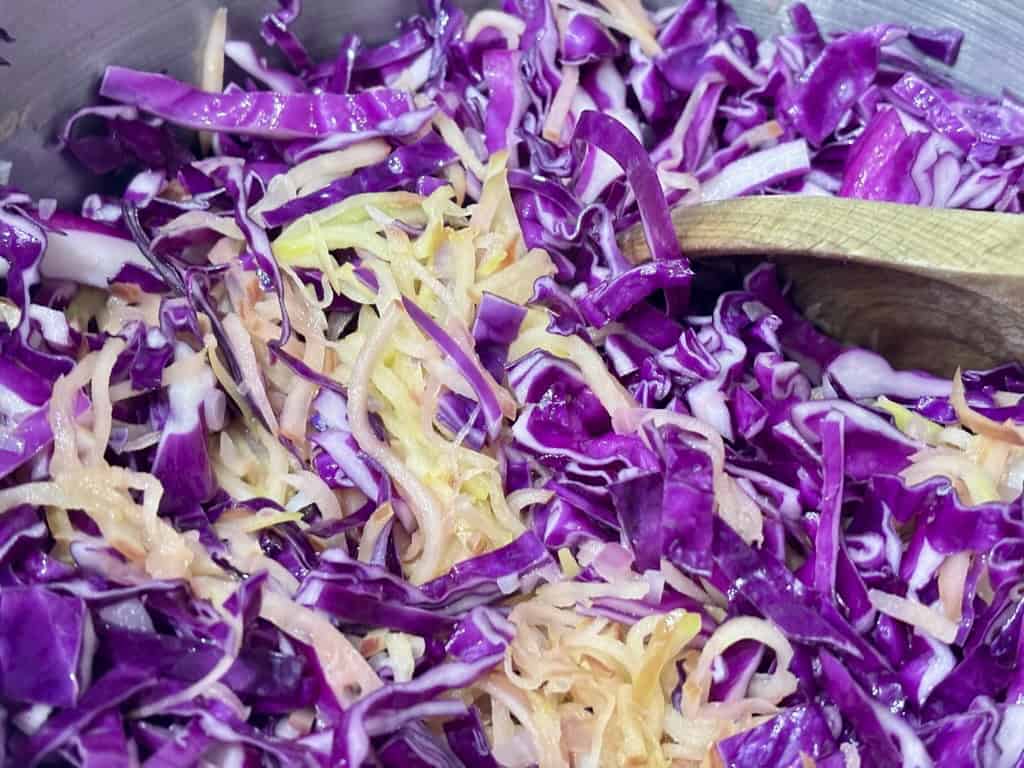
<point>930,288</point>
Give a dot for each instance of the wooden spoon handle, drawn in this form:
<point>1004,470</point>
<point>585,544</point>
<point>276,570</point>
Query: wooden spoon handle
<point>929,288</point>
<point>903,237</point>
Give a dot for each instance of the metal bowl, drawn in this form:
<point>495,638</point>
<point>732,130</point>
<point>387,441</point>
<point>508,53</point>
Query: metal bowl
<point>62,47</point>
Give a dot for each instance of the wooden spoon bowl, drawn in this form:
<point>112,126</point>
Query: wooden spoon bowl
<point>930,289</point>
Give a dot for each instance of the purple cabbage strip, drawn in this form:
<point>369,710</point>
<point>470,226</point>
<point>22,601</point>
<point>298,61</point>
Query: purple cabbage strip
<point>612,137</point>
<point>405,165</point>
<point>262,113</point>
<point>469,367</point>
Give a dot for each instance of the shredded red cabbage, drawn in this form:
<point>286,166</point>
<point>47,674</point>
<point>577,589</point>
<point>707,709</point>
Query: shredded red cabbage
<point>348,436</point>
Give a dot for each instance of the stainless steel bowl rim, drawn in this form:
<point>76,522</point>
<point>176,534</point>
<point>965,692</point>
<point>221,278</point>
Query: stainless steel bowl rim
<point>62,47</point>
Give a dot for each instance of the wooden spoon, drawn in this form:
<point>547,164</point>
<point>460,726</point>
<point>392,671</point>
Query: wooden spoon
<point>928,288</point>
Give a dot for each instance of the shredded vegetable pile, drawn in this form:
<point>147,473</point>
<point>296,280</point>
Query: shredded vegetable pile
<point>348,436</point>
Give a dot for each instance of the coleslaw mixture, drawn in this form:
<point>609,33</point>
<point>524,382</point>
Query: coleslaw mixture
<point>346,435</point>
